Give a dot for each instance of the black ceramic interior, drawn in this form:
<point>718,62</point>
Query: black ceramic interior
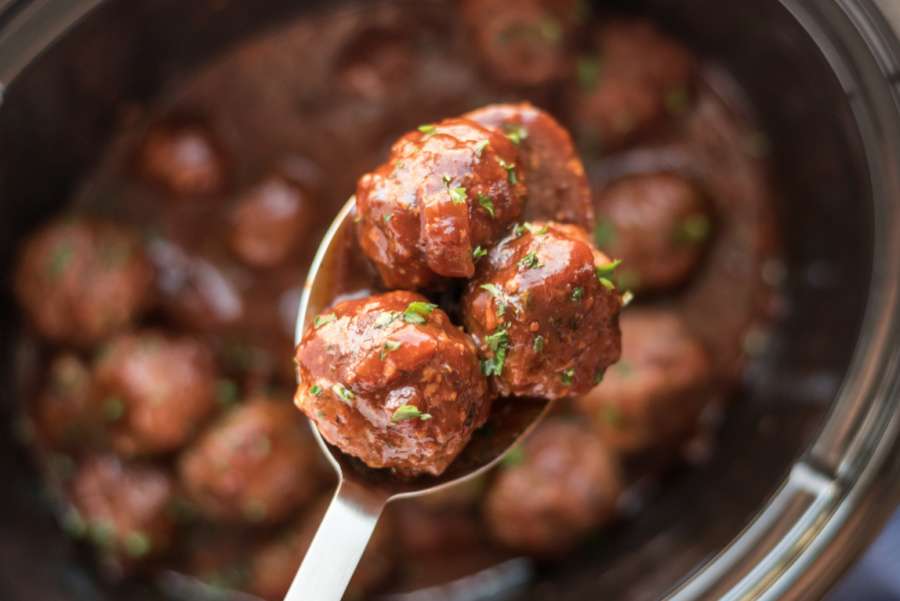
<point>56,118</point>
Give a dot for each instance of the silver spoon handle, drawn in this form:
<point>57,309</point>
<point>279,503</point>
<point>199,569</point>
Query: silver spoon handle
<point>337,547</point>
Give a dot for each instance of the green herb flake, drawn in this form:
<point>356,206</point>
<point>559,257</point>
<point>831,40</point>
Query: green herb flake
<point>60,258</point>
<point>498,294</point>
<point>480,146</point>
<point>387,217</point>
<point>458,195</point>
<point>510,171</point>
<point>315,390</point>
<point>627,297</point>
<point>406,412</point>
<point>577,294</point>
<point>535,230</point>
<point>608,269</point>
<point>529,261</point>
<point>513,457</point>
<point>137,544</point>
<point>607,283</point>
<point>693,230</point>
<point>604,234</point>
<point>226,392</point>
<point>417,312</point>
<point>515,133</point>
<point>498,343</point>
<point>113,408</point>
<point>567,376</point>
<point>598,376</point>
<point>478,253</point>
<point>343,393</point>
<point>537,344</point>
<point>102,533</point>
<point>677,100</point>
<point>385,318</point>
<point>446,179</point>
<point>518,230</point>
<point>486,203</point>
<point>610,414</point>
<point>324,320</point>
<point>428,128</point>
<point>389,347</point>
<point>588,72</point>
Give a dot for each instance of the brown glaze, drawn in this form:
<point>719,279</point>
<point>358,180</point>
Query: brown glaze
<point>156,390</point>
<point>257,464</point>
<point>81,280</point>
<point>64,413</point>
<point>558,189</point>
<point>183,159</point>
<point>565,484</point>
<point>391,380</point>
<point>544,322</point>
<point>446,189</point>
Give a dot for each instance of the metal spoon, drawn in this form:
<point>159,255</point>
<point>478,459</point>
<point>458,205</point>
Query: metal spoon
<point>363,493</point>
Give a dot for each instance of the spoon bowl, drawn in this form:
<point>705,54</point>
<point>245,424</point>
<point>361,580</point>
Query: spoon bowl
<point>363,492</point>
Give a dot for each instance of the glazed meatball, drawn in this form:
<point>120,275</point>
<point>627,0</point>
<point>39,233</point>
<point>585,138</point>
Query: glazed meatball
<point>558,189</point>
<point>524,43</point>
<point>376,64</point>
<point>446,190</point>
<point>274,565</point>
<point>269,222</point>
<point>183,159</point>
<point>258,464</point>
<point>123,508</point>
<point>64,414</point>
<point>391,380</point>
<point>82,279</point>
<point>161,387</point>
<point>656,392</point>
<point>658,224</point>
<point>566,483</point>
<point>635,78</point>
<point>543,312</point>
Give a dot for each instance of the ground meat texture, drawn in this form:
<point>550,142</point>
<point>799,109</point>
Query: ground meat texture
<point>558,189</point>
<point>446,190</point>
<point>658,224</point>
<point>525,43</point>
<point>156,390</point>
<point>258,464</point>
<point>543,312</point>
<point>183,159</point>
<point>63,413</point>
<point>656,392</point>
<point>634,79</point>
<point>123,508</point>
<point>391,380</point>
<point>80,280</point>
<point>273,565</point>
<point>561,484</point>
<point>269,222</point>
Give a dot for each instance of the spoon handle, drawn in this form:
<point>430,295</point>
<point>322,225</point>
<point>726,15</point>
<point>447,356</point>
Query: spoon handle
<point>338,545</point>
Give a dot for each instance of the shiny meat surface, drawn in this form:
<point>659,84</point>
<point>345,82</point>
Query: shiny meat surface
<point>82,279</point>
<point>257,464</point>
<point>634,79</point>
<point>543,312</point>
<point>654,395</point>
<point>184,159</point>
<point>156,390</point>
<point>565,484</point>
<point>558,189</point>
<point>659,224</point>
<point>391,380</point>
<point>122,508</point>
<point>447,189</point>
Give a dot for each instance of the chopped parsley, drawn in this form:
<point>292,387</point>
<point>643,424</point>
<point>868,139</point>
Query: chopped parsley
<point>389,347</point>
<point>323,320</point>
<point>529,261</point>
<point>604,233</point>
<point>567,376</point>
<point>405,412</point>
<point>387,217</point>
<point>60,258</point>
<point>385,318</point>
<point>588,69</point>
<point>693,230</point>
<point>518,230</point>
<point>516,133</point>
<point>510,171</point>
<point>486,203</point>
<point>498,342</point>
<point>478,253</point>
<point>428,128</point>
<point>137,544</point>
<point>598,377</point>
<point>113,408</point>
<point>315,390</point>
<point>538,344</point>
<point>226,392</point>
<point>343,393</point>
<point>577,294</point>
<point>498,294</point>
<point>480,146</point>
<point>608,269</point>
<point>417,312</point>
<point>447,179</point>
<point>535,230</point>
<point>606,283</point>
<point>458,195</point>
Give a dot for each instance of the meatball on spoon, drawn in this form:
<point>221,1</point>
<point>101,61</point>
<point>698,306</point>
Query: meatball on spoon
<point>362,493</point>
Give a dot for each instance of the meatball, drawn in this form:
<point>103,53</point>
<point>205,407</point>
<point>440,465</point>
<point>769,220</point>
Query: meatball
<point>162,388</point>
<point>81,279</point>
<point>391,380</point>
<point>123,508</point>
<point>543,312</point>
<point>183,159</point>
<point>269,222</point>
<point>558,189</point>
<point>274,565</point>
<point>258,464</point>
<point>64,414</point>
<point>377,63</point>
<point>656,393</point>
<point>525,43</point>
<point>448,189</point>
<point>636,77</point>
<point>565,484</point>
<point>658,224</point>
